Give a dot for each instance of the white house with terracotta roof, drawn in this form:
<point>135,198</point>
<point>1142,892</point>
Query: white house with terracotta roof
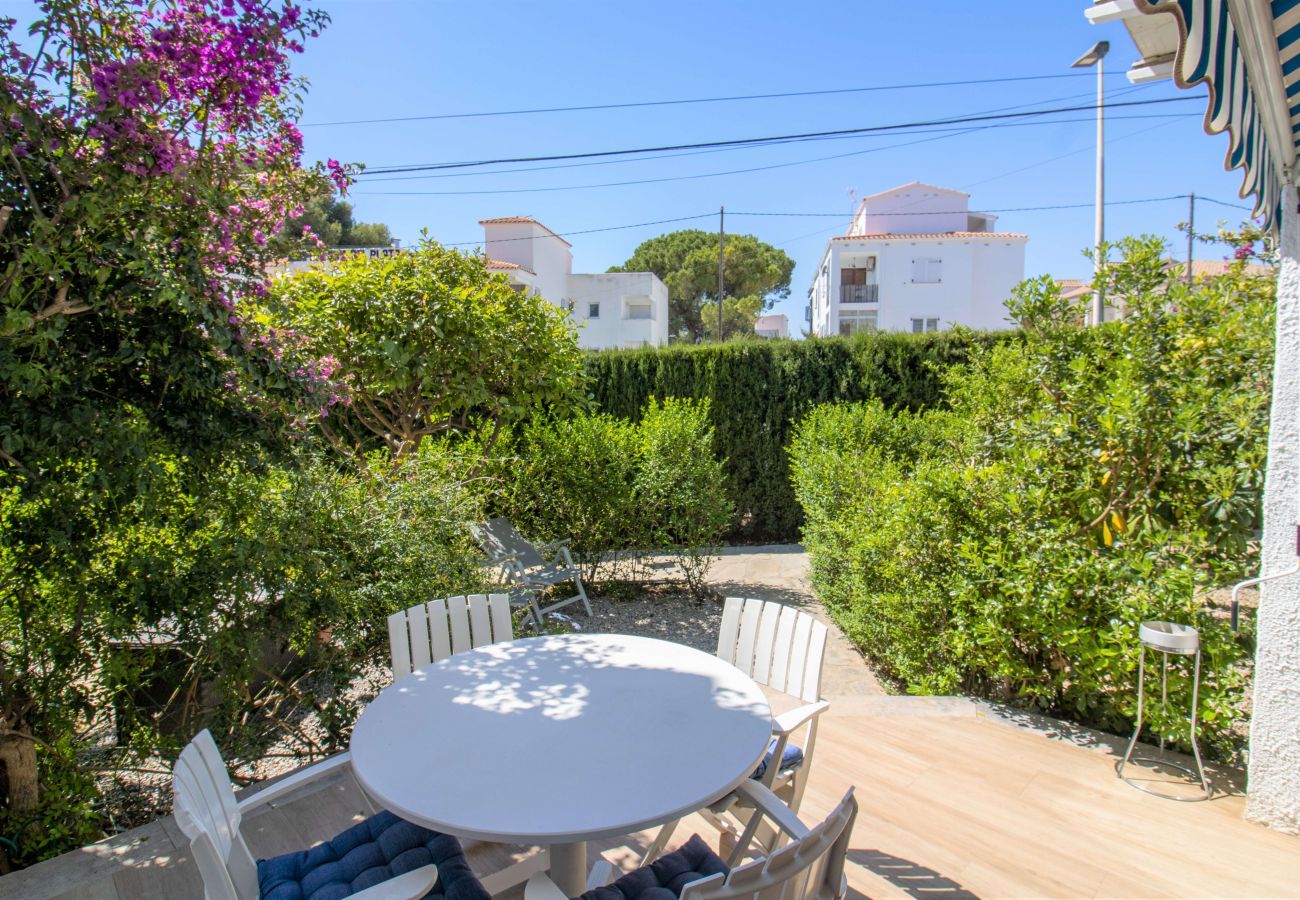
<point>916,258</point>
<point>609,309</point>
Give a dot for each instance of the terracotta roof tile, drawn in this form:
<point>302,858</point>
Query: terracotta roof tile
<point>502,264</point>
<point>521,220</point>
<point>961,235</point>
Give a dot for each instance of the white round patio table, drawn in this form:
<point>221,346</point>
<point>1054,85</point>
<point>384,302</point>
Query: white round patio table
<point>557,740</point>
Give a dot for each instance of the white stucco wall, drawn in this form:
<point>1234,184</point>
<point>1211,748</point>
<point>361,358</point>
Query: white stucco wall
<point>615,291</point>
<point>550,263</point>
<point>1273,786</point>
<point>914,208</point>
<point>976,279</point>
<point>530,245</point>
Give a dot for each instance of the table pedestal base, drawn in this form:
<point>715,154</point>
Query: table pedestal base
<point>569,867</point>
<point>565,863</point>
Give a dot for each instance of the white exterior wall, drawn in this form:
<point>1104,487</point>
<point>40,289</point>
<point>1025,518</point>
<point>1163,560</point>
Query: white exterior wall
<point>976,279</point>
<point>775,325</point>
<point>549,264</point>
<point>530,245</point>
<point>916,208</point>
<point>1273,796</point>
<point>615,292</point>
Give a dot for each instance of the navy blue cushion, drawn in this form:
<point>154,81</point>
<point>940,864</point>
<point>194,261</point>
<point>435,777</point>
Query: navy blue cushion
<point>664,878</point>
<point>791,758</point>
<point>380,848</point>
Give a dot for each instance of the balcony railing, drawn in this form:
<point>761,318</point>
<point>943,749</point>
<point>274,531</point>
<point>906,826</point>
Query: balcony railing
<point>859,293</point>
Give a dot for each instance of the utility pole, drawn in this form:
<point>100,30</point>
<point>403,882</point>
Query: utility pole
<point>722,240</point>
<point>1191,221</point>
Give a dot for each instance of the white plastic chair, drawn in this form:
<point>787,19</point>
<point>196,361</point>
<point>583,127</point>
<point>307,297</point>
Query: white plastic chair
<point>428,632</point>
<point>208,814</point>
<point>527,567</point>
<point>810,867</point>
<point>784,649</point>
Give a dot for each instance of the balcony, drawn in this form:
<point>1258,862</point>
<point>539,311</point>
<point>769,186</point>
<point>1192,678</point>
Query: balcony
<point>859,293</point>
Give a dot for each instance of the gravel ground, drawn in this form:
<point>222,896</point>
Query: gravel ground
<point>657,612</point>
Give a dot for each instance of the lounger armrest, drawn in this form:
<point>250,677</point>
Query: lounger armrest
<point>540,887</point>
<point>501,560</point>
<point>553,545</point>
<point>287,785</point>
<point>791,719</point>
<point>410,885</point>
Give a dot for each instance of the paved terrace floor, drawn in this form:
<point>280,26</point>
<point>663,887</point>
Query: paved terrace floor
<point>957,800</point>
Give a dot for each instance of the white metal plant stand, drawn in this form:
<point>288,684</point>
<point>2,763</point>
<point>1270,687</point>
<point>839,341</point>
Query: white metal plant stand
<point>1167,639</point>
<point>615,734</point>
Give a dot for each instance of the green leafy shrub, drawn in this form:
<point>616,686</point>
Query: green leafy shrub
<point>244,598</point>
<point>572,478</point>
<point>758,390</point>
<point>680,491</point>
<point>421,343</point>
<point>611,485</point>
<point>1083,481</point>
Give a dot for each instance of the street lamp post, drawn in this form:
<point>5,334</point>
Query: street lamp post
<point>1094,57</point>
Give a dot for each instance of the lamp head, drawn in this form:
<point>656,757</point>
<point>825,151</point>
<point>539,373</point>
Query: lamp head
<point>1093,56</point>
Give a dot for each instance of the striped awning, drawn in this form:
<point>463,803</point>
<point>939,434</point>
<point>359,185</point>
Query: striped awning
<point>1254,86</point>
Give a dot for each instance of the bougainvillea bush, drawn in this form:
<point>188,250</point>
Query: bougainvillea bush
<point>147,154</point>
<point>1083,480</point>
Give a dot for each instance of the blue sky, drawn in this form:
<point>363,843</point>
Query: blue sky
<point>392,58</point>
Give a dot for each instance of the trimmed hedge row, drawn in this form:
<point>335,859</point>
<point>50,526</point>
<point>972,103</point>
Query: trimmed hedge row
<point>758,390</point>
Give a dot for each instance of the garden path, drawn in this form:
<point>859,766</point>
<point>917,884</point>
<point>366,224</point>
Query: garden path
<point>780,572</point>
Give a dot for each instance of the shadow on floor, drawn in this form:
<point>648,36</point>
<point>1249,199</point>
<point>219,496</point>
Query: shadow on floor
<point>783,595</point>
<point>1227,780</point>
<point>914,879</point>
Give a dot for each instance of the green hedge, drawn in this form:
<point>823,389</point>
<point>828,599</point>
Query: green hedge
<point>758,389</point>
<point>1079,482</point>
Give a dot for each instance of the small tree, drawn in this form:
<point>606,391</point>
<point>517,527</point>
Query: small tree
<point>420,344</point>
<point>687,261</point>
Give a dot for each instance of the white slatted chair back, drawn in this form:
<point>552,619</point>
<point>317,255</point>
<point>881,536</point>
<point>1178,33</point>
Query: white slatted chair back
<point>809,868</point>
<point>776,645</point>
<point>431,631</point>
<point>207,814</point>
<point>500,541</point>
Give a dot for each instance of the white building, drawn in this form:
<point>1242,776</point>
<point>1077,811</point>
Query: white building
<point>916,258</point>
<point>772,326</point>
<point>614,309</point>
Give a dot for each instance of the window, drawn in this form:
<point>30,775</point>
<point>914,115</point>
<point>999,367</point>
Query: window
<point>858,320</point>
<point>639,309</point>
<point>920,325</point>
<point>853,276</point>
<point>927,271</point>
<point>593,310</point>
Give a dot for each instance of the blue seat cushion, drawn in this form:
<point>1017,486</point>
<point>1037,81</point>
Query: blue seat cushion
<point>791,758</point>
<point>664,878</point>
<point>380,848</point>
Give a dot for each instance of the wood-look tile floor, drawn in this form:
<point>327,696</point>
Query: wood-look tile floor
<point>952,805</point>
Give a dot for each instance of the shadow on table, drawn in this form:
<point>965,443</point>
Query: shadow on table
<point>913,878</point>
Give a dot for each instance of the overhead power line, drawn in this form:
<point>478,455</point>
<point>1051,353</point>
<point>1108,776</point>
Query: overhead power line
<point>948,212</point>
<point>708,151</point>
<point>738,142</point>
<point>1221,203</point>
<point>931,135</point>
<point>641,104</point>
<point>710,215</point>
